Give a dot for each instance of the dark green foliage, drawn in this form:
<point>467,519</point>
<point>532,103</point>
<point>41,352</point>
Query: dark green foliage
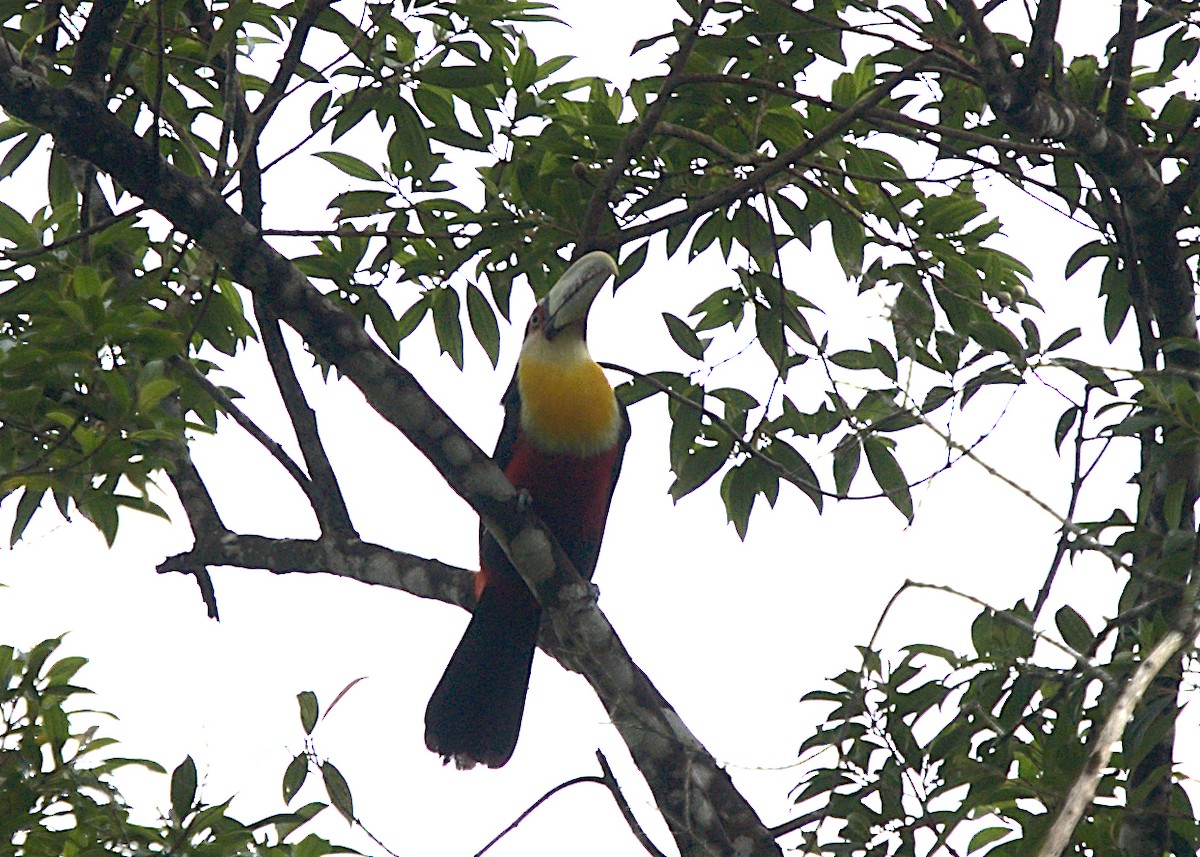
<point>936,747</point>
<point>58,795</point>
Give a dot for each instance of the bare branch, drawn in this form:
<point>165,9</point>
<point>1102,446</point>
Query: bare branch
<point>229,407</point>
<point>357,560</point>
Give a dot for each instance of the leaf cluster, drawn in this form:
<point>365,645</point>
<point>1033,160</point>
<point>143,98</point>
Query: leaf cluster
<point>57,791</point>
<point>976,752</point>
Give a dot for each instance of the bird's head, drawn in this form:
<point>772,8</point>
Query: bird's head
<point>567,405</point>
<point>560,319</point>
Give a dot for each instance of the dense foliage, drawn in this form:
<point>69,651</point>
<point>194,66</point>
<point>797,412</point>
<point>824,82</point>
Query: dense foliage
<point>57,793</point>
<point>478,167</point>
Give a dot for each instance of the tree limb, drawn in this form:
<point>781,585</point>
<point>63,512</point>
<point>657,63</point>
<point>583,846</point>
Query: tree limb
<point>95,42</point>
<point>1041,50</point>
<point>353,559</point>
<point>1122,64</point>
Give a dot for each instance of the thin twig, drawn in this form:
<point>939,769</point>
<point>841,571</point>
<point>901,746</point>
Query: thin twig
<point>610,780</point>
<point>230,408</point>
<point>1076,488</point>
<point>589,778</point>
<point>1081,660</point>
<point>1066,522</point>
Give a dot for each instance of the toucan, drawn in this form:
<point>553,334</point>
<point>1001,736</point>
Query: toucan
<point>561,446</point>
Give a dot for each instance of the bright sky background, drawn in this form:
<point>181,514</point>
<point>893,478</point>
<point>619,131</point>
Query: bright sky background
<point>733,634</point>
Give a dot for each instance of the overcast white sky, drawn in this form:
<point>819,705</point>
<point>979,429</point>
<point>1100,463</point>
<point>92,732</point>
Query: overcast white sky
<point>732,633</point>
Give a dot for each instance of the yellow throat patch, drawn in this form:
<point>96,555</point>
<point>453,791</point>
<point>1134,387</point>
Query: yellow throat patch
<point>567,405</point>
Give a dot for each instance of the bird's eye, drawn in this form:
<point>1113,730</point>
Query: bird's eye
<point>537,319</point>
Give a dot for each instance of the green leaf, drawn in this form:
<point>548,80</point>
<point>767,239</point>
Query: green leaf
<point>1114,287</point>
<point>846,457</point>
<point>738,491</point>
<point>1074,629</point>
<point>18,153</point>
<point>1089,251</point>
<point>412,318</point>
<point>687,340</point>
<point>183,789</point>
<point>309,710</point>
<point>483,322</point>
<point>797,470</point>
<point>86,282</point>
<point>986,837</point>
<point>351,165</point>
<point>1065,423</point>
<point>30,500</point>
<point>447,324</point>
<point>631,264</point>
<point>700,465</point>
<point>294,776</point>
<point>888,474</point>
<point>849,239</point>
<point>853,359</point>
<point>153,392</point>
<point>338,790</point>
<point>458,76</point>
<point>15,226</point>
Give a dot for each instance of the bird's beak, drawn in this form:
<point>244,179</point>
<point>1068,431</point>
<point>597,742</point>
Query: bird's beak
<point>571,297</point>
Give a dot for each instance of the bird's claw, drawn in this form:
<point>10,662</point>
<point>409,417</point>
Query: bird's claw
<point>524,500</point>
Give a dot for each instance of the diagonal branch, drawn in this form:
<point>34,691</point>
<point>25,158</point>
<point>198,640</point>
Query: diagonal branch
<point>324,491</point>
<point>229,407</point>
<point>95,43</point>
<point>637,138</point>
<point>701,806</point>
<point>287,66</point>
<point>1121,70</point>
<point>1041,51</point>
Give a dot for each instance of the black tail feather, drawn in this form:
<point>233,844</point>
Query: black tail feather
<point>474,715</point>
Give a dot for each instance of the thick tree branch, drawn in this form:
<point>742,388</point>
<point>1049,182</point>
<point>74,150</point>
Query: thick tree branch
<point>1121,70</point>
<point>704,811</point>
<point>1041,51</point>
<point>95,43</point>
<point>353,559</point>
